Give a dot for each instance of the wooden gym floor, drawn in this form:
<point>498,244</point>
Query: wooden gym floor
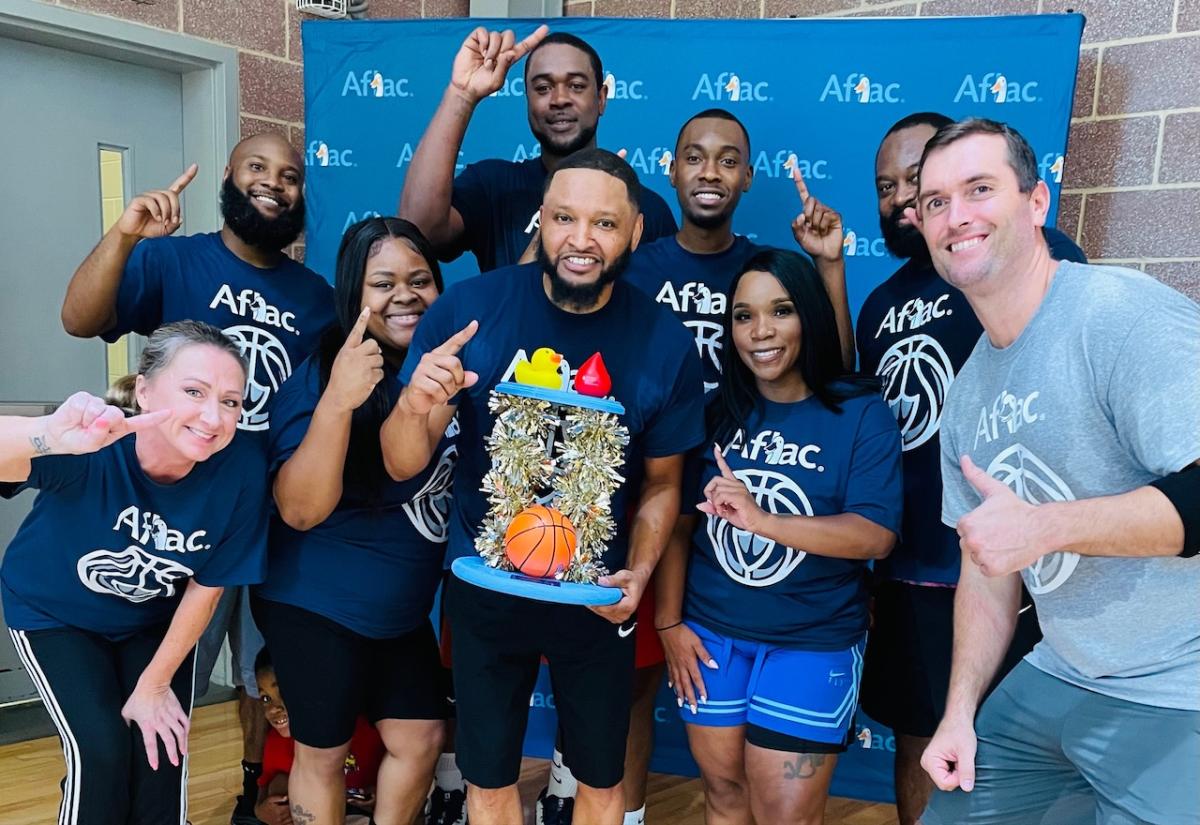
<point>30,773</point>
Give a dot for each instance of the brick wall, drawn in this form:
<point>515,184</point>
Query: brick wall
<point>1131,187</point>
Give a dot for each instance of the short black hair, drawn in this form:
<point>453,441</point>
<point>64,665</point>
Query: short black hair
<point>605,161</point>
<point>1020,154</point>
<point>715,114</point>
<point>575,42</point>
<point>263,663</point>
<point>935,119</point>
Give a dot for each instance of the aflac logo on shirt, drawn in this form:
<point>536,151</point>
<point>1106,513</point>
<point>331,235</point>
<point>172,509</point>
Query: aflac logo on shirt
<point>854,245</point>
<point>746,557</point>
<point>916,374</point>
<point>656,161</point>
<point>731,87</point>
<point>617,89</point>
<point>319,154</point>
<point>268,360</point>
<point>429,509</point>
<point>859,88</point>
<point>696,298</point>
<point>1007,411</point>
<point>373,84</point>
<point>995,87</point>
<point>781,162</point>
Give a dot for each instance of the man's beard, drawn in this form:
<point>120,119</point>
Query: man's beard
<point>580,297</point>
<point>551,146</point>
<point>902,241</point>
<point>254,228</point>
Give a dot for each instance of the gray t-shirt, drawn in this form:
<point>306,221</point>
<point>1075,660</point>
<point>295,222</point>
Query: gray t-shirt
<point>1099,395</point>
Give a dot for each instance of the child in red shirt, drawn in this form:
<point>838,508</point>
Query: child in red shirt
<point>362,763</point>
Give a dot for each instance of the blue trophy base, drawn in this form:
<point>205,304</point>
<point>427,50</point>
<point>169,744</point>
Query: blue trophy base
<point>562,397</point>
<point>474,570</point>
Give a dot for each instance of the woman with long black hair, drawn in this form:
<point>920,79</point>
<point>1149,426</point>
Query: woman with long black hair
<point>139,524</point>
<point>801,489</point>
<point>355,557</point>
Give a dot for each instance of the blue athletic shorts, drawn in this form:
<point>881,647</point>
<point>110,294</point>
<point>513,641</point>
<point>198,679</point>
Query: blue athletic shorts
<point>801,701</point>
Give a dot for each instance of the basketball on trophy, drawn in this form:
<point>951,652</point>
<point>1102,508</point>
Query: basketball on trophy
<point>540,541</point>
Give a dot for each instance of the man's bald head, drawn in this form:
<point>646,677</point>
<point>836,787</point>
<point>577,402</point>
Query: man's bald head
<point>267,144</point>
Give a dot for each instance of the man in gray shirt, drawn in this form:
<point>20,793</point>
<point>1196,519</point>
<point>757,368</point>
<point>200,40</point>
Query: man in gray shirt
<point>1082,390</point>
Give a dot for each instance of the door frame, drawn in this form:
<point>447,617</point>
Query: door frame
<point>209,71</point>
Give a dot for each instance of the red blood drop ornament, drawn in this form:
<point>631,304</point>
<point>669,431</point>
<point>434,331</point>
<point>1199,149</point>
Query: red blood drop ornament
<point>592,378</point>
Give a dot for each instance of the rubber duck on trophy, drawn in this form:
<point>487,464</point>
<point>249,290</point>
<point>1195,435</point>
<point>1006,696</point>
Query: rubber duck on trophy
<point>557,451</point>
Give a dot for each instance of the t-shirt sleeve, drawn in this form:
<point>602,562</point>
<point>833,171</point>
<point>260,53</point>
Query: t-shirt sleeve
<point>472,197</point>
<point>1154,386</point>
<point>50,472</point>
<point>139,306</point>
<point>958,496</point>
<point>657,220</point>
<point>679,425</point>
<point>240,556</point>
<point>291,413</point>
<point>875,487</point>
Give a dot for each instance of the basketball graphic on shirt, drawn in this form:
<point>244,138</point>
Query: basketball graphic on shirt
<point>269,367</point>
<point>429,509</point>
<point>133,574</point>
<point>708,344</point>
<point>751,559</point>
<point>916,375</point>
<point>1032,480</point>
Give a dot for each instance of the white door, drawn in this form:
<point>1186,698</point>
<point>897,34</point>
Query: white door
<point>60,109</point>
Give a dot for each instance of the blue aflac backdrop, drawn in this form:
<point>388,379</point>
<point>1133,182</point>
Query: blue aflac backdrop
<point>814,93</point>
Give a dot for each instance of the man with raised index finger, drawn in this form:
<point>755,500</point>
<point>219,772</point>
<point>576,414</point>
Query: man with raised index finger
<point>573,301</point>
<point>492,208</point>
<point>141,276</point>
<point>1069,461</point>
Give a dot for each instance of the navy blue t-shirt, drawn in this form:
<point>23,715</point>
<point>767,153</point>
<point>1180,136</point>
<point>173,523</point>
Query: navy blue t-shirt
<point>372,565</point>
<point>915,332</point>
<point>694,287</point>
<point>275,315</point>
<point>649,355</point>
<point>107,549</point>
<point>799,459</point>
<point>499,202</point>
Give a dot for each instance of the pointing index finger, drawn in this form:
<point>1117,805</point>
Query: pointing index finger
<point>801,188</point>
<point>458,340</point>
<point>183,180</point>
<point>722,466</point>
<point>360,327</point>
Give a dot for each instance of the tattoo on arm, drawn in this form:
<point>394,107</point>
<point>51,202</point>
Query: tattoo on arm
<point>40,447</point>
<point>299,815</point>
<point>805,766</point>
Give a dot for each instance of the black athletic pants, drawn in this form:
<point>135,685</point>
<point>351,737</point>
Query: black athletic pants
<point>84,680</point>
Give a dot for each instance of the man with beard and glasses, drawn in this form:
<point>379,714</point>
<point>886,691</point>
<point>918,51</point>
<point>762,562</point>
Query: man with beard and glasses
<point>492,207</point>
<point>139,277</point>
<point>915,331</point>
<point>573,301</point>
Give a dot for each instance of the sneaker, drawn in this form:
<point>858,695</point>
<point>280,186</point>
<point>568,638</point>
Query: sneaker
<point>243,812</point>
<point>554,810</point>
<point>446,808</point>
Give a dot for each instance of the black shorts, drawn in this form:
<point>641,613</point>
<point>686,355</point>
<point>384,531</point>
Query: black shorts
<point>498,643</point>
<point>906,671</point>
<point>328,675</point>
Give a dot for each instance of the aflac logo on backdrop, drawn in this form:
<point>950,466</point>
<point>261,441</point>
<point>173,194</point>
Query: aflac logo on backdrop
<point>656,161</point>
<point>514,86</point>
<point>781,163</point>
<point>730,87</point>
<point>406,156</point>
<point>523,153</point>
<point>995,87</point>
<point>853,245</point>
<point>859,88</point>
<point>319,154</point>
<point>373,84</point>
<point>616,89</point>
<point>354,217</point>
<point>1051,167</point>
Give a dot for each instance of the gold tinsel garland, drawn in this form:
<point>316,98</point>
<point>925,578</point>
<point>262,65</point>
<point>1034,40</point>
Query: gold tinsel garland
<point>582,477</point>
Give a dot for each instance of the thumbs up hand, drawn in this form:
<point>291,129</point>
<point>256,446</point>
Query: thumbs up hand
<point>357,368</point>
<point>1001,535</point>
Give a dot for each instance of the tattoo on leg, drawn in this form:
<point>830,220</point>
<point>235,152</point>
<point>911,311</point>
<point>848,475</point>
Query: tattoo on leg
<point>299,815</point>
<point>39,444</point>
<point>805,766</point>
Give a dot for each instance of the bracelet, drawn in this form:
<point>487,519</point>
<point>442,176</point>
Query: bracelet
<point>668,627</point>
